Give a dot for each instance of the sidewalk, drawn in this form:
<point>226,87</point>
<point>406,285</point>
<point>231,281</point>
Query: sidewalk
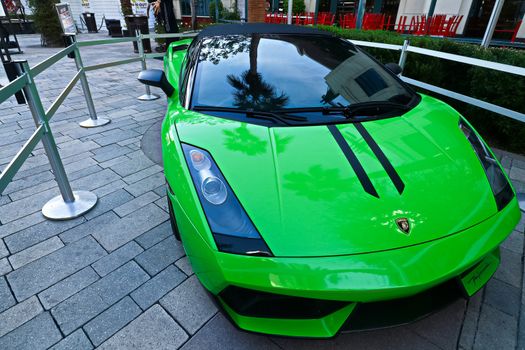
<point>117,278</point>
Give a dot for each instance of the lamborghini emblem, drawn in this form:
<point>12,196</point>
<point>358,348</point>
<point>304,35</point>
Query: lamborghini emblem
<point>403,225</point>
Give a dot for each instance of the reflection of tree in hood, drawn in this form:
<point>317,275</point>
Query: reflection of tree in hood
<point>252,91</point>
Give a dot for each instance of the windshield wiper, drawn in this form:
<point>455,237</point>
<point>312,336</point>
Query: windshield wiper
<point>284,118</point>
<point>372,108</point>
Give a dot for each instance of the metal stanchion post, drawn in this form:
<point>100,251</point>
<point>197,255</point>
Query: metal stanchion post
<point>93,120</point>
<point>403,56</point>
<point>70,204</point>
<point>148,96</point>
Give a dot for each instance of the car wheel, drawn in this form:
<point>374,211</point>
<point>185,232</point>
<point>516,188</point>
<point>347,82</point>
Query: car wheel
<point>173,221</point>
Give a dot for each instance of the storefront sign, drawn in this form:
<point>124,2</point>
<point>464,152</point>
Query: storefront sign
<point>85,5</point>
<point>140,7</point>
<point>66,18</point>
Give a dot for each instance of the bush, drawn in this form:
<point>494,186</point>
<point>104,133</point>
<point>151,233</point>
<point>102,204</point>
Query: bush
<point>211,8</point>
<point>126,8</point>
<point>503,89</point>
<point>46,21</point>
<point>298,7</point>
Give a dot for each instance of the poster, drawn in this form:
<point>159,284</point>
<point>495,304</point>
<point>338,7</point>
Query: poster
<point>2,12</point>
<point>66,18</point>
<point>140,7</point>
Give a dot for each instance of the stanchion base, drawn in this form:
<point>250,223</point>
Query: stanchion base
<point>148,97</point>
<point>93,123</point>
<point>57,209</point>
<point>521,201</point>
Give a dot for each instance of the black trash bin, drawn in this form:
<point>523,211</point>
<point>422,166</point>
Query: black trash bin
<point>135,23</point>
<point>114,28</point>
<point>91,24</point>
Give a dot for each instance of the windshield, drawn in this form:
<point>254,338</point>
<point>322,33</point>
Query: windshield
<point>276,72</point>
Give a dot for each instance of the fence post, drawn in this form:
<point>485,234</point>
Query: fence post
<point>93,120</point>
<point>148,96</point>
<point>404,52</point>
<point>70,204</point>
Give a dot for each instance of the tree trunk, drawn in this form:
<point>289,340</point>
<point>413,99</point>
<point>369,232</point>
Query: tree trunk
<point>193,9</point>
<point>256,10</point>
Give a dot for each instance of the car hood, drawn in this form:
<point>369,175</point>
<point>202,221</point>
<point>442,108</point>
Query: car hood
<point>306,199</point>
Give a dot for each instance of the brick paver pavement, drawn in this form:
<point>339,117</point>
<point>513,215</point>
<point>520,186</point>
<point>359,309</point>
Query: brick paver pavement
<point>116,277</point>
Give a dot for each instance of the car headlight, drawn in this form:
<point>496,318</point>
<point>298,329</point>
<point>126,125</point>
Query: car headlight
<point>231,227</point>
<point>498,181</point>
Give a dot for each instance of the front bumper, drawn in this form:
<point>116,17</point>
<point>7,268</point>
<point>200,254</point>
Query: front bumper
<point>355,279</point>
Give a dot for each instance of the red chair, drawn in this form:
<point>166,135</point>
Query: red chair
<point>401,25</point>
<point>437,23</point>
<point>516,29</point>
<point>347,21</point>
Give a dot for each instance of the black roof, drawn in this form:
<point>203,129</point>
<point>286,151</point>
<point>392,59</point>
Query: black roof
<point>258,28</point>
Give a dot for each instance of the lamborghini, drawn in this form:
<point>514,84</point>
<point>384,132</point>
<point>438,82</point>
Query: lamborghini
<point>314,191</point>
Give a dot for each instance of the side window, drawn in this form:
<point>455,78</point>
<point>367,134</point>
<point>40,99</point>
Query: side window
<point>186,70</point>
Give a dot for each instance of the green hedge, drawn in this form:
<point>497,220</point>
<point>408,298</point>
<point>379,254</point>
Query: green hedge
<point>506,90</point>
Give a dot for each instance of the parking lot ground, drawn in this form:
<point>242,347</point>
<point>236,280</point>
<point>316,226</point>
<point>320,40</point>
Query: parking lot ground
<point>116,278</point>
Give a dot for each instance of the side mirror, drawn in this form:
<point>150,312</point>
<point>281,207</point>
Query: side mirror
<point>394,68</point>
<point>157,78</point>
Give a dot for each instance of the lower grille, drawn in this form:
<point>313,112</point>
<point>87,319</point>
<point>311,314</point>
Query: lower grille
<point>254,303</point>
<point>404,310</point>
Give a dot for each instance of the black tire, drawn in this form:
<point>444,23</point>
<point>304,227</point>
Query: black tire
<point>173,221</point>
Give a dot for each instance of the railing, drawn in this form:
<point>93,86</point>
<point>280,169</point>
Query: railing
<point>70,203</point>
<point>406,48</point>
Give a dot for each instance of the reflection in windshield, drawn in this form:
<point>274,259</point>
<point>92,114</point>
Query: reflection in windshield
<point>271,71</point>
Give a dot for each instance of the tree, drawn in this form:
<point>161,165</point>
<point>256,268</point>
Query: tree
<point>125,7</point>
<point>46,21</point>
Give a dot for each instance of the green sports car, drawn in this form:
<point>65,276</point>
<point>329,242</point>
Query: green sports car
<point>314,192</point>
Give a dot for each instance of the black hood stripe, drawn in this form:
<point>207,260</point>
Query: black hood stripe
<point>354,162</point>
<point>389,168</point>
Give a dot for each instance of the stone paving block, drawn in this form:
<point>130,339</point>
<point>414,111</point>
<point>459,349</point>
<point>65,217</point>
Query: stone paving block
<point>109,202</point>
<point>162,203</point>
<point>116,137</point>
<point>67,287</point>
<point>160,255</point>
<point>5,267</point>
<point>145,185</point>
<point>106,153</point>
<point>3,249</point>
<point>114,161</point>
<point>42,273</point>
<point>514,242</point>
<point>117,258</point>
<point>91,182</point>
<point>503,297</point>
<point>184,264</point>
<point>112,320</point>
<point>219,334</point>
<point>155,235</point>
<point>133,166</point>
<point>91,301</point>
<point>35,252</point>
<point>6,298</point>
<point>20,224</point>
<point>153,169</point>
<point>470,321</point>
<point>135,204</point>
<point>151,291</point>
<point>491,320</point>
<point>20,184</point>
<point>39,333</point>
<point>26,206</point>
<point>89,227</point>
<point>40,232</point>
<point>118,232</point>
<point>18,315</point>
<point>109,188</point>
<point>190,305</point>
<point>509,270</point>
<point>75,341</point>
<point>153,330</point>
